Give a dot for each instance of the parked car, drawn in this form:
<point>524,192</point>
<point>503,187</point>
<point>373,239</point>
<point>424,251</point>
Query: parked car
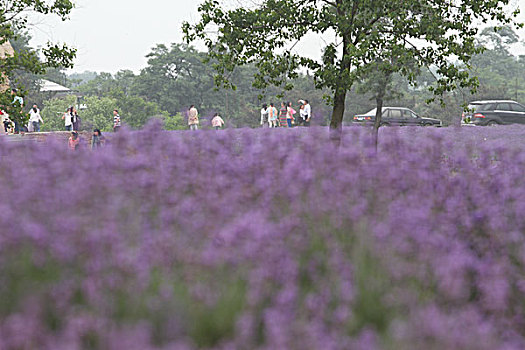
<point>494,112</point>
<point>397,116</point>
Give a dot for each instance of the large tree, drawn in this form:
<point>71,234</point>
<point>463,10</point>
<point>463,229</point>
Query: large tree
<point>430,32</point>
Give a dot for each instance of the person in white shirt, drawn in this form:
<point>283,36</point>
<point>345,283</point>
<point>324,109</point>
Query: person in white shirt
<point>7,125</point>
<point>68,119</point>
<point>306,112</point>
<point>35,119</point>
<point>264,115</point>
<point>302,115</point>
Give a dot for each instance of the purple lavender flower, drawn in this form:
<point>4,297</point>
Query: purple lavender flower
<point>265,239</point>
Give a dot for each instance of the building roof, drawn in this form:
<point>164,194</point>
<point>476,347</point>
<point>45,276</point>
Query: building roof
<point>491,101</point>
<point>49,86</point>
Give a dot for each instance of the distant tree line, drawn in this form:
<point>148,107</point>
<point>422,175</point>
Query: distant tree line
<point>179,75</point>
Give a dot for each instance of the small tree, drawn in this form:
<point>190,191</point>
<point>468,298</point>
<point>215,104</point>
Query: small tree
<point>378,76</point>
<point>432,32</point>
<point>377,83</point>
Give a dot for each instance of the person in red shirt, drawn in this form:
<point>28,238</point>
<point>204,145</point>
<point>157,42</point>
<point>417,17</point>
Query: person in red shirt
<point>74,141</point>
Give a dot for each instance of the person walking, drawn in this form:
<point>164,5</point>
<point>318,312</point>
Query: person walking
<point>35,119</point>
<point>290,114</point>
<point>264,115</point>
<point>68,119</point>
<point>282,115</point>
<point>217,122</point>
<point>193,118</point>
<point>272,116</point>
<point>116,121</point>
<point>97,140</point>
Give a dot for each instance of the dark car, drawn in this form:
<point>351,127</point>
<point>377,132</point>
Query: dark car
<point>494,112</point>
<point>397,116</point>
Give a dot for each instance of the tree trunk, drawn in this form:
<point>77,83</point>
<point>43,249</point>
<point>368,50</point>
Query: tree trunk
<point>336,124</point>
<point>377,123</point>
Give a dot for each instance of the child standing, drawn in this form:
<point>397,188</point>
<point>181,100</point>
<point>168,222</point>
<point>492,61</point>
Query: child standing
<point>289,115</point>
<point>74,141</point>
<point>217,122</point>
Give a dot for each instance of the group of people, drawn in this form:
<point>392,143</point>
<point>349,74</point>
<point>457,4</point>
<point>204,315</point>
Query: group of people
<point>72,123</point>
<point>10,126</point>
<point>75,141</point>
<point>97,139</point>
<point>193,119</point>
<point>71,119</point>
<point>285,116</point>
<point>270,117</point>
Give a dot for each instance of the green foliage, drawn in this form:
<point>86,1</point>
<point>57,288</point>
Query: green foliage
<point>13,107</point>
<point>174,122</point>
<point>99,112</point>
<point>53,111</point>
<point>366,32</point>
<point>77,79</point>
<point>372,285</point>
<point>134,110</point>
<point>213,323</point>
<point>178,76</point>
<point>102,85</point>
<point>165,87</point>
<point>28,79</point>
<point>21,276</point>
<point>135,95</point>
<point>13,21</point>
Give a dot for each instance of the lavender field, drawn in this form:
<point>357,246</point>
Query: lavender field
<point>265,239</point>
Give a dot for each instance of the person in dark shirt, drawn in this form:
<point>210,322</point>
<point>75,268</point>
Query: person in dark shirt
<point>97,140</point>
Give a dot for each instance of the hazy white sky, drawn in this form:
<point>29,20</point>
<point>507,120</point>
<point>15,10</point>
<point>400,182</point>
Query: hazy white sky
<point>111,35</point>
